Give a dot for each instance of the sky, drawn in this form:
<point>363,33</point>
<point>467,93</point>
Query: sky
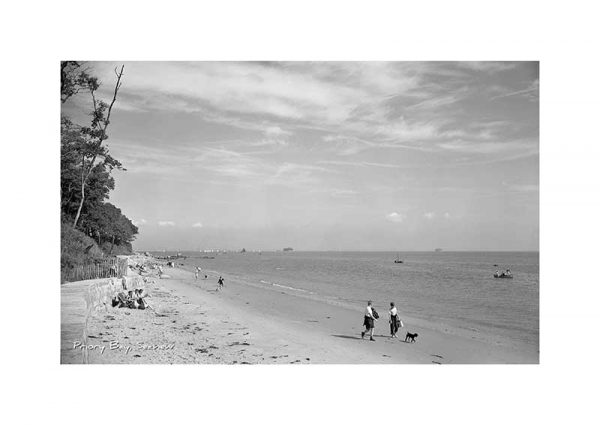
<point>392,156</point>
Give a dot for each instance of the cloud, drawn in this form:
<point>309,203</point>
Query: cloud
<point>276,131</point>
<point>294,174</point>
<point>324,94</point>
<point>531,92</point>
<point>446,215</point>
<point>139,222</point>
<point>487,66</point>
<point>198,225</point>
<point>365,164</point>
<point>274,136</point>
<point>490,147</point>
<point>435,102</point>
<point>524,187</point>
<point>391,103</point>
<point>166,223</point>
<point>395,217</point>
<point>429,215</point>
<point>343,193</point>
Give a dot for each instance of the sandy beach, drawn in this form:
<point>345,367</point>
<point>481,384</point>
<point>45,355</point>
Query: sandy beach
<point>191,322</point>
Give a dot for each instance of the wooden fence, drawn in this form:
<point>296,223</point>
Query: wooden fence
<point>112,267</point>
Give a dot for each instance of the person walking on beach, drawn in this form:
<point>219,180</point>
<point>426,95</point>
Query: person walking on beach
<point>369,322</point>
<point>198,270</point>
<point>394,320</point>
<point>220,282</point>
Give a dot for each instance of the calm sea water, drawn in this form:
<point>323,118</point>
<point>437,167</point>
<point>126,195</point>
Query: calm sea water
<point>442,289</point>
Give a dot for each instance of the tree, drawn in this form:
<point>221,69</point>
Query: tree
<point>99,183</point>
<point>89,143</point>
<point>106,223</point>
<point>90,225</point>
<point>73,79</point>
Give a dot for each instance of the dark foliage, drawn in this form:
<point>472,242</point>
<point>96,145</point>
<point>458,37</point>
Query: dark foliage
<point>76,249</point>
<point>88,220</point>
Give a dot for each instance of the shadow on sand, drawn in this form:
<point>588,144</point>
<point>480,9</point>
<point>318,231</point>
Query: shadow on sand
<point>347,337</point>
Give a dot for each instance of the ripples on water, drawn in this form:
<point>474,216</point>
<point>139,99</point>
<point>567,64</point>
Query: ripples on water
<point>456,288</point>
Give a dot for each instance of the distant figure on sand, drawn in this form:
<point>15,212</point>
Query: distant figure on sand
<point>220,282</point>
<point>160,272</point>
<point>394,321</point>
<point>198,270</point>
<point>369,322</point>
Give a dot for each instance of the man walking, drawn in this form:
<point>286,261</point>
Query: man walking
<point>369,321</point>
<point>394,320</point>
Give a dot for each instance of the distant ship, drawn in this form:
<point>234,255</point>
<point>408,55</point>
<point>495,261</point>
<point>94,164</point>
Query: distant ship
<point>398,260</point>
<point>438,250</point>
<point>288,249</point>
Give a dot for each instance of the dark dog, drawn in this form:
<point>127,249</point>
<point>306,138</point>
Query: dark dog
<point>410,337</point>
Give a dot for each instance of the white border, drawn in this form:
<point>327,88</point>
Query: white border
<point>36,35</point>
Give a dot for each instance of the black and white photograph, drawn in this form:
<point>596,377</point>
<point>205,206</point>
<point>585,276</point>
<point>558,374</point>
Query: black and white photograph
<point>316,212</point>
<point>300,212</point>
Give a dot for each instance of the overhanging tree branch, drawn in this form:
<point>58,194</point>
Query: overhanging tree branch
<point>96,134</point>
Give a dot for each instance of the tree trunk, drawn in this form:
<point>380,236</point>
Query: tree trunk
<point>80,206</point>
<point>84,175</point>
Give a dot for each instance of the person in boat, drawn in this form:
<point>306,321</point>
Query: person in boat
<point>507,272</point>
<point>497,273</point>
<point>394,320</point>
<point>369,321</point>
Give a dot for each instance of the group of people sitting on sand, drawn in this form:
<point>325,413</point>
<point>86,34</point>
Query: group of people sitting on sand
<point>371,316</point>
<point>131,299</point>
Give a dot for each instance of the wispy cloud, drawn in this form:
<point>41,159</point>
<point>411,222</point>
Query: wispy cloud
<point>531,91</point>
<point>526,187</point>
<point>343,193</point>
<point>277,131</point>
<point>139,222</point>
<point>395,217</point>
<point>250,145</point>
<point>365,164</point>
<point>274,136</point>
<point>488,147</point>
<point>487,66</point>
<point>515,187</point>
<point>363,105</point>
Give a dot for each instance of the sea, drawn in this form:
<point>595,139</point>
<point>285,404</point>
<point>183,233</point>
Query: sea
<point>447,291</point>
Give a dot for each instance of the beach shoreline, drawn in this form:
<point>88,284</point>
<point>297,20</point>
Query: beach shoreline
<point>191,322</point>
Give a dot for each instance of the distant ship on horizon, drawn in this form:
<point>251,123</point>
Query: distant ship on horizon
<point>288,249</point>
<point>438,250</point>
